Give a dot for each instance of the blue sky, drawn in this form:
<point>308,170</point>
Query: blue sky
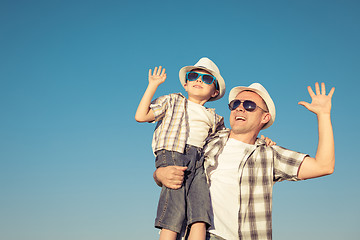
<point>74,164</point>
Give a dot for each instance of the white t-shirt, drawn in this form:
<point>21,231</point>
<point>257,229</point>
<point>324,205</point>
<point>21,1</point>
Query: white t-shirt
<point>225,189</point>
<point>200,122</point>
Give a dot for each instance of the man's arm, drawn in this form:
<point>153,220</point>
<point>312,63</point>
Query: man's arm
<point>144,112</point>
<point>170,176</point>
<point>324,161</point>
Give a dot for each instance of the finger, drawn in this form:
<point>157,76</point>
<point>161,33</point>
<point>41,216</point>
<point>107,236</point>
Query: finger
<point>163,72</point>
<point>262,137</point>
<point>159,71</point>
<point>177,182</point>
<point>180,168</point>
<point>311,92</point>
<point>179,175</point>
<point>176,179</point>
<point>305,104</point>
<point>155,70</point>
<point>149,72</point>
<point>323,90</point>
<point>174,186</point>
<point>331,92</point>
<point>317,88</point>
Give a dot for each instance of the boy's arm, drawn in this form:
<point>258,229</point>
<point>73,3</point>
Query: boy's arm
<point>144,112</point>
<point>324,161</point>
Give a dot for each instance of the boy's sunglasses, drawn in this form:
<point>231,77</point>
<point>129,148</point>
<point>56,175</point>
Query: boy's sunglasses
<point>248,105</point>
<point>206,78</point>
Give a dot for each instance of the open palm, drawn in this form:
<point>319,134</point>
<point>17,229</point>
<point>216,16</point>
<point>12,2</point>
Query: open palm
<point>158,76</point>
<point>321,103</point>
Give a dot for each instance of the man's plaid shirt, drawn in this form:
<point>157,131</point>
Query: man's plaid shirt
<point>172,129</point>
<point>262,168</point>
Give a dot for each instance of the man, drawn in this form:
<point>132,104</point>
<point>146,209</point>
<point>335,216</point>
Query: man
<point>241,169</point>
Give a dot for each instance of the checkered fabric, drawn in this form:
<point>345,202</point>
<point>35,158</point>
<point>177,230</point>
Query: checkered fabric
<point>172,129</point>
<point>262,168</point>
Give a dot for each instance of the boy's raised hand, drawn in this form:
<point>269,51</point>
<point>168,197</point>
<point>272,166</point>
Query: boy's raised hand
<point>321,103</point>
<point>158,76</point>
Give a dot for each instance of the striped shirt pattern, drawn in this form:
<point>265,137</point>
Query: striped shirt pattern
<point>262,168</point>
<point>172,129</point>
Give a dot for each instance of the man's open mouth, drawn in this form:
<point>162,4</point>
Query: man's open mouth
<point>240,118</point>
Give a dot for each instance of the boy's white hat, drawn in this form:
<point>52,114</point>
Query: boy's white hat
<point>207,65</point>
<point>261,91</point>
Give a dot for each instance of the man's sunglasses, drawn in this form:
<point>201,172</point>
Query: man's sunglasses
<point>206,78</point>
<point>248,105</point>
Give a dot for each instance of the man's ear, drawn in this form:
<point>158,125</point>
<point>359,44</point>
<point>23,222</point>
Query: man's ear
<point>185,86</point>
<point>266,118</point>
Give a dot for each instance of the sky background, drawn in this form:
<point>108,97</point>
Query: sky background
<point>75,165</point>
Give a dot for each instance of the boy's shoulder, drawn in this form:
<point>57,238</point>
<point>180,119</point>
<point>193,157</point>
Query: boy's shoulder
<point>177,95</point>
<point>173,95</point>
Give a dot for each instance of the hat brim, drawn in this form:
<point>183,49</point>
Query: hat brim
<point>220,80</point>
<point>266,97</point>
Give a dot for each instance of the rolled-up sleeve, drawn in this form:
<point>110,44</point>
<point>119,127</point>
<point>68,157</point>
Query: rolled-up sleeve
<point>286,164</point>
<point>159,107</point>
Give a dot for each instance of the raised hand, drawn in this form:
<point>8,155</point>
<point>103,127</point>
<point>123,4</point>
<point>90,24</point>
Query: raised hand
<point>324,161</point>
<point>158,76</point>
<point>144,113</point>
<point>321,103</point>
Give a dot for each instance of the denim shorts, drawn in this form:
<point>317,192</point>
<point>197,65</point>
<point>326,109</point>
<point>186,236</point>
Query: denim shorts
<point>191,202</point>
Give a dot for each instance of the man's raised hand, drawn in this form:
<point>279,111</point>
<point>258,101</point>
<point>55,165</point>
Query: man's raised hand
<point>321,103</point>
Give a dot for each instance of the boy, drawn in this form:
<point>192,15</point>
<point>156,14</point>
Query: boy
<point>183,125</point>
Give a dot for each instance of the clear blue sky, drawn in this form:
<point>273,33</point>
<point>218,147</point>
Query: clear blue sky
<point>74,164</point>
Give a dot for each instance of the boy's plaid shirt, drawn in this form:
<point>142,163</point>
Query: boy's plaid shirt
<point>262,168</point>
<point>172,129</point>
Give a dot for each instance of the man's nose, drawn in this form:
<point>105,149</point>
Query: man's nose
<point>240,108</point>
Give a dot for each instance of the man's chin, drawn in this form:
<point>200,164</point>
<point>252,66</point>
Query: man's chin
<point>238,130</point>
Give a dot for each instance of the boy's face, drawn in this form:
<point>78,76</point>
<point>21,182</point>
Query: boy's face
<point>199,90</point>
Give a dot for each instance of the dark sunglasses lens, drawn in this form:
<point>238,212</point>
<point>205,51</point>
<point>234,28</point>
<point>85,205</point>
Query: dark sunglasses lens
<point>208,79</point>
<point>234,104</point>
<point>192,76</point>
<point>249,105</point>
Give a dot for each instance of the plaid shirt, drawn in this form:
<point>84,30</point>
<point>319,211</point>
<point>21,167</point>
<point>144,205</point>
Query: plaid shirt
<point>262,168</point>
<point>172,129</point>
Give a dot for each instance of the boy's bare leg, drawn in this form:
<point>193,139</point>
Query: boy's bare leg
<point>197,231</point>
<point>167,234</point>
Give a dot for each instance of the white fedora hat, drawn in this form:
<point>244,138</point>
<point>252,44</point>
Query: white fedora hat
<point>208,65</point>
<point>261,91</point>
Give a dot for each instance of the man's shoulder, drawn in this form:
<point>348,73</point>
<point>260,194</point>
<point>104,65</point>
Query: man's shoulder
<point>223,133</point>
<point>216,139</point>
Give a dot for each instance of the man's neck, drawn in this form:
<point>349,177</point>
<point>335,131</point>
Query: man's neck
<point>249,138</point>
